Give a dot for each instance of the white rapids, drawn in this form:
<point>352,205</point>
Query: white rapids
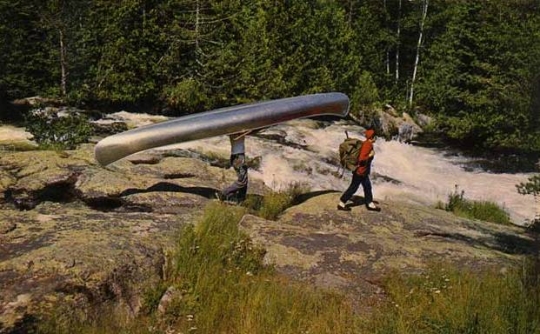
<point>400,171</point>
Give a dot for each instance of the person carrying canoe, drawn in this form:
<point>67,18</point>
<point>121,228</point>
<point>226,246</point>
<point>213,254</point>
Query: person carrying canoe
<point>238,189</point>
<point>361,175</point>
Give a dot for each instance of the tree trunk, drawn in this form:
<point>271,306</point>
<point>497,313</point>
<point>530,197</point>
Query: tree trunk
<point>398,35</point>
<point>350,13</point>
<point>63,64</point>
<point>418,46</point>
<point>387,60</point>
<point>197,46</point>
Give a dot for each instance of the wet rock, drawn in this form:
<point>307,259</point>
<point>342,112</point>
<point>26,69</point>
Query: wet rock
<point>36,101</point>
<point>390,125</point>
<point>108,127</point>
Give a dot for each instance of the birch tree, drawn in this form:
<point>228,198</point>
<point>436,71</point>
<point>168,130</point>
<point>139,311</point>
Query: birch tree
<point>425,4</point>
<point>61,20</point>
<point>398,36</point>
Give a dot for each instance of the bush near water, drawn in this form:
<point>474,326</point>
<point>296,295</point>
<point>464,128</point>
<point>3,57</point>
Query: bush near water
<point>483,210</point>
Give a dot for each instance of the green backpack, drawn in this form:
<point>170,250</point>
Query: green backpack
<point>349,150</point>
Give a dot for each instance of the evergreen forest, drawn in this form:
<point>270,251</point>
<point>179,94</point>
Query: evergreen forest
<point>474,66</point>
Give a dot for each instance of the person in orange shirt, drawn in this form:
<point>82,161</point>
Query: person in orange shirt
<point>361,175</point>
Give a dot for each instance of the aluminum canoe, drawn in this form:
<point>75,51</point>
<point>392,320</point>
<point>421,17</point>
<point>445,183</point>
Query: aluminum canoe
<point>219,122</point>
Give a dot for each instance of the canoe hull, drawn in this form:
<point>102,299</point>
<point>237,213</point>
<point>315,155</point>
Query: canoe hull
<point>219,122</point>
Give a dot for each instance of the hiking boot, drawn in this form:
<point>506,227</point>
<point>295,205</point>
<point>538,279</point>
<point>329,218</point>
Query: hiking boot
<point>343,208</point>
<point>372,207</point>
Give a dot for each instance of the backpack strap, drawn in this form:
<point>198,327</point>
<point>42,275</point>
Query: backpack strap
<point>342,171</point>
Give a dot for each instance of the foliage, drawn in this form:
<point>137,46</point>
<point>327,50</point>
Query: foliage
<point>123,42</point>
<point>483,210</point>
<point>367,93</point>
<point>274,203</point>
<point>188,94</point>
<point>52,131</point>
<point>531,187</point>
<point>450,300</point>
<point>151,298</point>
<point>24,63</point>
<point>478,72</point>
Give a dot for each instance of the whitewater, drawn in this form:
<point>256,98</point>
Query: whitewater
<point>307,153</point>
<point>304,151</point>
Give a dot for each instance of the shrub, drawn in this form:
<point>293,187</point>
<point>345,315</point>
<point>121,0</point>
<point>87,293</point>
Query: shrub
<point>531,187</point>
<point>483,210</point>
<point>188,94</point>
<point>274,203</point>
<point>53,131</point>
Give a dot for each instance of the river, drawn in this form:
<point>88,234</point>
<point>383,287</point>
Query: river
<point>307,153</point>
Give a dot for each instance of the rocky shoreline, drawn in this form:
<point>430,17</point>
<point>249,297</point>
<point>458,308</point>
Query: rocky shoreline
<point>73,231</point>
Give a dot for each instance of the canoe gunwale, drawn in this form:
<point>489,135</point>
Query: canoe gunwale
<point>218,122</point>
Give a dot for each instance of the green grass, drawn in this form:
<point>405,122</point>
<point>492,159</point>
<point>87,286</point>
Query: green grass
<point>482,210</point>
<point>450,300</point>
<point>225,288</point>
<point>274,203</point>
<point>228,290</point>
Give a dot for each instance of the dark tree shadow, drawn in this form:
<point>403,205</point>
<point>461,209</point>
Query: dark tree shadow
<point>304,197</point>
<point>503,242</point>
<point>171,187</point>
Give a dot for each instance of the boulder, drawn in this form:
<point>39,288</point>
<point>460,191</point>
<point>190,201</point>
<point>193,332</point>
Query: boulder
<point>76,233</point>
<point>352,251</point>
<point>403,128</point>
<point>72,231</point>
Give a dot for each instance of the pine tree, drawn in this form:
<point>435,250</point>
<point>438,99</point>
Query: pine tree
<point>24,69</point>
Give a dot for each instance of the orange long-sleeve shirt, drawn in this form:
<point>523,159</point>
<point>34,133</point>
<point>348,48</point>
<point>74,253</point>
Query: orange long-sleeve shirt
<point>364,158</point>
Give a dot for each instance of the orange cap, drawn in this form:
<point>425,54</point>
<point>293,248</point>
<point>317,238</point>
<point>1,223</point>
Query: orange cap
<point>370,133</point>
